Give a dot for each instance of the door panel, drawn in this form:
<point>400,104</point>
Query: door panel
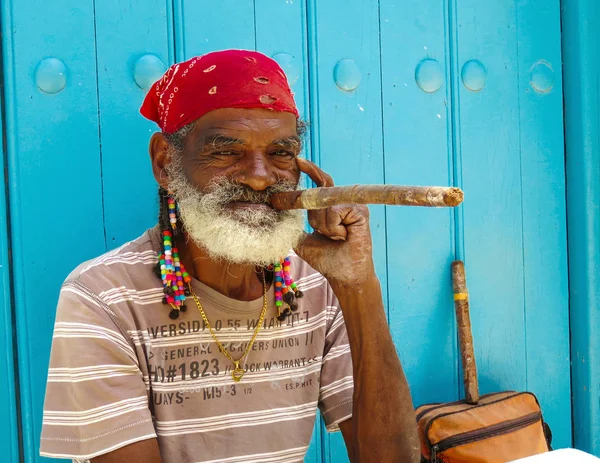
<point>55,177</point>
<point>511,160</point>
<point>124,77</point>
<point>544,224</point>
<point>8,386</point>
<point>417,122</point>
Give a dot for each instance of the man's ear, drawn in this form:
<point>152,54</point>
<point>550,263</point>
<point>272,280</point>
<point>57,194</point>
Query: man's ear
<point>160,158</point>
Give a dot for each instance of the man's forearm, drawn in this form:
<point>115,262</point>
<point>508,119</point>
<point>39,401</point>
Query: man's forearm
<point>383,416</point>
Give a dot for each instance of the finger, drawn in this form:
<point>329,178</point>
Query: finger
<point>316,218</point>
<point>335,228</point>
<point>330,222</point>
<point>315,173</point>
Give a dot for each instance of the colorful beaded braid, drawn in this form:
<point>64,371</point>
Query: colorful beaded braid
<point>285,289</point>
<point>169,268</point>
<point>173,210</point>
<point>173,276</point>
<point>176,279</point>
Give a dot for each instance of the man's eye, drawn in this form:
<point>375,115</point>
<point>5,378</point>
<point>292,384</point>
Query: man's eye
<point>283,153</point>
<point>225,153</point>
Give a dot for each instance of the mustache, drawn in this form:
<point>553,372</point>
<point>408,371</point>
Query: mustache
<point>228,191</point>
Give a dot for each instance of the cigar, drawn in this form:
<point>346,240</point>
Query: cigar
<point>393,195</point>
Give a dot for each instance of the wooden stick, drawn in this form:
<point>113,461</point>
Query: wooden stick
<point>320,198</point>
<point>465,336</point>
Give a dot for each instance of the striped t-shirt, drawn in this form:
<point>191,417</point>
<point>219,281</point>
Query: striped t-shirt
<point>122,371</point>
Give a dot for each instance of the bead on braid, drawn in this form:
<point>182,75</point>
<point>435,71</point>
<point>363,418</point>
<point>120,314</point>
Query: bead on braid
<point>172,272</point>
<point>277,269</point>
<point>286,289</point>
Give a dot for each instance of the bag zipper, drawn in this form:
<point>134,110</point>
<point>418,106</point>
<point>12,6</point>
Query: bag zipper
<point>438,405</point>
<point>430,423</point>
<point>483,433</point>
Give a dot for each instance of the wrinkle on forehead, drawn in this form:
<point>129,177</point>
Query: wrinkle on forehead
<point>241,119</point>
<point>248,125</point>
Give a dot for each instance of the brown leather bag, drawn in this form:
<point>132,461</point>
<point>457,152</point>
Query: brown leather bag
<point>493,428</point>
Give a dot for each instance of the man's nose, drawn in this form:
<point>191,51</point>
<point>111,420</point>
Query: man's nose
<point>256,172</point>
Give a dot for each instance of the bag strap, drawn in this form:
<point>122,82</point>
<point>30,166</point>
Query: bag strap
<point>465,336</point>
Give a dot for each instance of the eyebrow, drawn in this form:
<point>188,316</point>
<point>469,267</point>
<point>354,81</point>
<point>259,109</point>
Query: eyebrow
<point>292,143</point>
<point>218,141</point>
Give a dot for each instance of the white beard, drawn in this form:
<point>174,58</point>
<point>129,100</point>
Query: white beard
<point>240,236</point>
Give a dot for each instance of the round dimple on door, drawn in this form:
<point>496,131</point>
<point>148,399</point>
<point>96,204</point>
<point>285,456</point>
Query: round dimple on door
<point>147,70</point>
<point>429,75</point>
<point>542,77</point>
<point>347,75</point>
<point>51,75</point>
<point>474,75</point>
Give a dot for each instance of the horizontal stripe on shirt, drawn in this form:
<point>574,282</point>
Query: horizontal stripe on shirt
<point>94,415</point>
<point>236,420</point>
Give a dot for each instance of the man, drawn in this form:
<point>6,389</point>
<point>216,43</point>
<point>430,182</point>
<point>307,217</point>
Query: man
<point>229,360</point>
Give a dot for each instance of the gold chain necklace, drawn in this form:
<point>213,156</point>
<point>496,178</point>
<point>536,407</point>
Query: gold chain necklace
<point>238,371</point>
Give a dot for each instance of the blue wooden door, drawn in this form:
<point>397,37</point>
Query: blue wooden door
<point>430,92</point>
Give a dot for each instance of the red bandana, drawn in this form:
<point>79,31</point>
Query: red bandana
<point>222,79</point>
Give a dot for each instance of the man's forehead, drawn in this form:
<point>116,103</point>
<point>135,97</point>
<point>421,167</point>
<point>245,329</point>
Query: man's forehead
<point>243,124</point>
<point>241,116</point>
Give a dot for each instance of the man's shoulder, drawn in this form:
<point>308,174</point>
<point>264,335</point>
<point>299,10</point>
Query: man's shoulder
<point>129,258</point>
